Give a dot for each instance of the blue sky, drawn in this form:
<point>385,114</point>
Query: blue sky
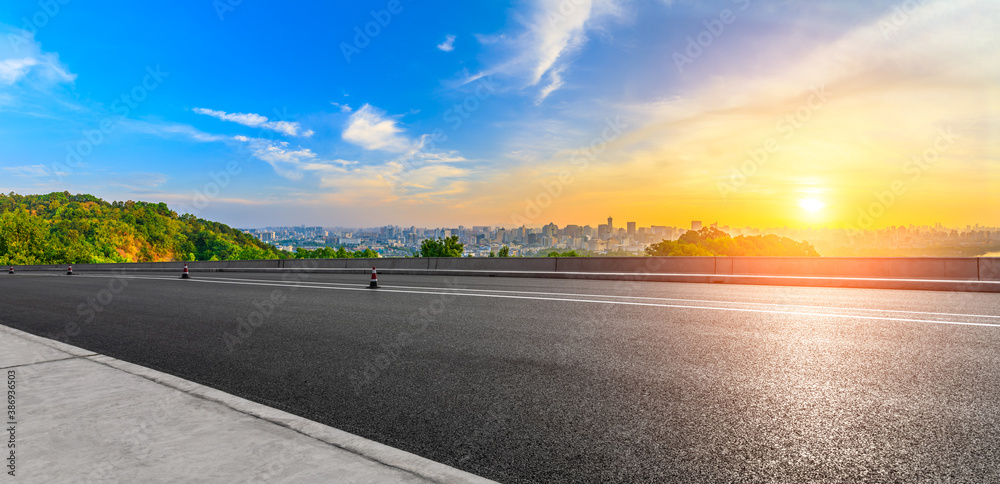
<point>499,112</point>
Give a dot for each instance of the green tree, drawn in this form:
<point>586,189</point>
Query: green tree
<point>447,247</point>
<point>83,228</point>
<point>571,253</point>
<point>22,238</point>
<point>504,252</point>
<point>710,241</point>
<point>365,254</point>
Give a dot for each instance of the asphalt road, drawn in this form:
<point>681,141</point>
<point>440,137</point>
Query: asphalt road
<point>535,380</point>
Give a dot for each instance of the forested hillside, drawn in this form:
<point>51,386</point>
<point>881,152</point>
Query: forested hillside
<point>60,228</point>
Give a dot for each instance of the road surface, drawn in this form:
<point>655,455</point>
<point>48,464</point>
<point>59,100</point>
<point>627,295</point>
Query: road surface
<point>546,380</point>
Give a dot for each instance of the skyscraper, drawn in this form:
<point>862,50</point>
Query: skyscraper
<point>631,229</point>
<point>611,226</point>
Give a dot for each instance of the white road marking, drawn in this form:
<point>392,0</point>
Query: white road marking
<point>538,298</point>
<point>631,297</point>
<point>703,301</point>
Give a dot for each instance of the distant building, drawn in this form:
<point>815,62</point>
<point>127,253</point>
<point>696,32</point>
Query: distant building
<point>696,225</point>
<point>631,229</point>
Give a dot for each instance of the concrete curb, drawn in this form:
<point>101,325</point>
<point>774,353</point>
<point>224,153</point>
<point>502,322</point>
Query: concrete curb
<point>383,454</point>
<point>952,285</point>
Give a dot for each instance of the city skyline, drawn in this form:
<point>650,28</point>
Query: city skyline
<point>632,239</point>
<point>689,226</point>
<point>387,112</point>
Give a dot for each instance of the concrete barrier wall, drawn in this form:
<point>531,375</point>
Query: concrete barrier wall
<point>892,268</point>
<point>968,269</point>
<point>989,269</point>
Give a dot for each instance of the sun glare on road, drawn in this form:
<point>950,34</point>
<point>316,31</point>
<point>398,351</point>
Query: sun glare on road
<point>812,205</point>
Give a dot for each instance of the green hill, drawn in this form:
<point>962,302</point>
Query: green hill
<point>60,228</point>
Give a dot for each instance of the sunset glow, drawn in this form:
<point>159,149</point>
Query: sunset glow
<point>812,205</point>
<point>786,114</point>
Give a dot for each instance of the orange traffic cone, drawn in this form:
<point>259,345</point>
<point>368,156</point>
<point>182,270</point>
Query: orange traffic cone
<point>374,283</point>
<point>69,272</point>
<point>185,274</point>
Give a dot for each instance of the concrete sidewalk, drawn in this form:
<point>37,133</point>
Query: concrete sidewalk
<point>84,417</point>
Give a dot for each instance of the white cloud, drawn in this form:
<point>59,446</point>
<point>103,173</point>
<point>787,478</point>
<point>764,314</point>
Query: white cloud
<point>489,39</point>
<point>371,129</point>
<point>555,82</point>
<point>256,121</point>
<point>167,130</point>
<point>344,108</point>
<point>417,176</point>
<point>22,59</point>
<point>11,70</point>
<point>553,31</point>
<point>285,161</point>
<point>448,45</point>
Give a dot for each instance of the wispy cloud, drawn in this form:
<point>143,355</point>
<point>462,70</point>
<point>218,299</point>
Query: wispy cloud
<point>555,82</point>
<point>170,130</point>
<point>23,61</point>
<point>140,182</point>
<point>33,171</point>
<point>257,121</point>
<point>552,33</point>
<point>448,45</point>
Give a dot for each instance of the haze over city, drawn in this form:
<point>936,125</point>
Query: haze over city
<point>750,113</point>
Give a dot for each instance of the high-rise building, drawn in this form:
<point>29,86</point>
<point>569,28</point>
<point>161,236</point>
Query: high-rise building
<point>696,225</point>
<point>611,226</point>
<point>631,229</point>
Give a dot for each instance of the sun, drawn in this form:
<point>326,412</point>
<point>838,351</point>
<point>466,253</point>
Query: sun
<point>811,205</point>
